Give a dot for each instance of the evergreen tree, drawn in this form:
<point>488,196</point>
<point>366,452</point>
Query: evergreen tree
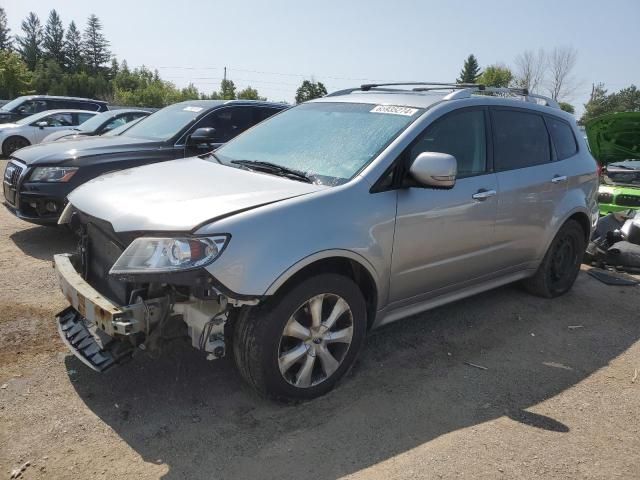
<point>470,71</point>
<point>5,32</point>
<point>310,90</point>
<point>114,69</point>
<point>95,47</point>
<point>53,40</point>
<point>73,49</point>
<point>227,90</point>
<point>30,44</point>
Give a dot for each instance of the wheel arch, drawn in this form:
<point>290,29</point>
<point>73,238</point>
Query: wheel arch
<point>344,262</point>
<point>14,136</point>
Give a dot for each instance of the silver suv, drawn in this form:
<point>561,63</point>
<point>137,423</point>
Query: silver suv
<point>288,244</point>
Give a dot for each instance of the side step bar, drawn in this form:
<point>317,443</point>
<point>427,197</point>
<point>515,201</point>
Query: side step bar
<point>77,335</point>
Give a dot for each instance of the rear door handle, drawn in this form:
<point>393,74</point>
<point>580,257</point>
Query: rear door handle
<point>559,179</point>
<point>483,194</point>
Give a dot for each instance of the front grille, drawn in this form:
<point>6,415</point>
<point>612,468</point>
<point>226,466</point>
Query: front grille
<point>605,198</point>
<point>12,173</point>
<point>628,200</point>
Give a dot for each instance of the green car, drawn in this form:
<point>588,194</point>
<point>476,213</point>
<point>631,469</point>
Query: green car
<point>614,140</point>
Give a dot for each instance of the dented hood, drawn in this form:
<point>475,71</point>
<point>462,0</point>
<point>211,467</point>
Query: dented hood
<point>614,137</point>
<point>181,194</point>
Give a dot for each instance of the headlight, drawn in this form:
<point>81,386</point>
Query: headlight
<point>52,174</point>
<point>158,255</point>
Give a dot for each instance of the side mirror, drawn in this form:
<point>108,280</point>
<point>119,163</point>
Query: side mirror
<point>434,169</point>
<point>203,135</point>
<point>42,124</point>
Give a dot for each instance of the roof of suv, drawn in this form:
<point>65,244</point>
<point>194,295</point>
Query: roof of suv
<point>56,97</point>
<point>426,94</point>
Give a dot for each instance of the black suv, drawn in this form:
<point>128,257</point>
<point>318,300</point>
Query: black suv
<point>38,179</point>
<point>22,107</point>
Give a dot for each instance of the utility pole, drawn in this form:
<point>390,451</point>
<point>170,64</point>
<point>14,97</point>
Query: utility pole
<point>225,74</point>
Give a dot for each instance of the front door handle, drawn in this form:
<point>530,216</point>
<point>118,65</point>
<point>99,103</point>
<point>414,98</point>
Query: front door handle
<point>483,194</point>
<point>559,179</point>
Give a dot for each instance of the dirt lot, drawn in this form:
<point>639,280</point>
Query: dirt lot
<point>554,402</point>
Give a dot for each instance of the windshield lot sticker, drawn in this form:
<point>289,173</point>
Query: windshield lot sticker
<point>393,110</point>
<point>192,109</point>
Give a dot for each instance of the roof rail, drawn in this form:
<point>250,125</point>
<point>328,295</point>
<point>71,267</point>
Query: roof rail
<point>499,91</point>
<point>461,90</point>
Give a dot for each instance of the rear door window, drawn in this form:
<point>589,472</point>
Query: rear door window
<point>520,140</point>
<point>58,120</point>
<point>563,139</point>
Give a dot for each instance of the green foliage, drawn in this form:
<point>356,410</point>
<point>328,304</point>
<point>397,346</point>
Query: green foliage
<point>95,47</point>
<point>14,75</point>
<point>249,94</point>
<point>496,76</point>
<point>53,39</point>
<point>310,90</point>
<point>567,107</point>
<point>73,61</point>
<point>470,70</point>
<point>227,90</point>
<point>6,43</point>
<point>30,43</point>
<point>601,103</point>
<point>144,88</point>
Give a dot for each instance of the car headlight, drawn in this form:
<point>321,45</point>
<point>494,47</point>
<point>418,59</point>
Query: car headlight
<point>165,255</point>
<point>52,174</point>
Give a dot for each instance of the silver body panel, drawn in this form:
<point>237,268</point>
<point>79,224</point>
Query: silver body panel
<point>423,247</point>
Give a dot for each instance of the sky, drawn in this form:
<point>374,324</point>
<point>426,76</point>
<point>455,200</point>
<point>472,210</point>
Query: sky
<point>274,45</point>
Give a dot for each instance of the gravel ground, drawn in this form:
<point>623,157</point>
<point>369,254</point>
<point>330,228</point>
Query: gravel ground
<point>554,402</point>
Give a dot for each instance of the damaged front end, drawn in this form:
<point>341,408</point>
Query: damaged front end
<point>615,243</point>
<point>128,293</point>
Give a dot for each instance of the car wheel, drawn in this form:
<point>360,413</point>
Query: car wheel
<point>12,144</point>
<point>561,263</point>
<point>300,343</point>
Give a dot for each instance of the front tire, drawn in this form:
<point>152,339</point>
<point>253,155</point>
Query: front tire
<point>561,264</point>
<point>12,144</point>
<point>299,344</point>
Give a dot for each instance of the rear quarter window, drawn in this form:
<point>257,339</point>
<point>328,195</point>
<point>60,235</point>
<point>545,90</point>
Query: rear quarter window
<point>520,140</point>
<point>563,138</point>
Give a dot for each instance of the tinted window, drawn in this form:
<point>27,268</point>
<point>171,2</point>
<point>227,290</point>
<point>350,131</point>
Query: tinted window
<point>520,140</point>
<point>60,104</point>
<point>262,113</point>
<point>563,139</point>
<point>228,122</point>
<point>461,134</point>
<point>58,120</point>
<point>93,107</point>
<point>32,106</point>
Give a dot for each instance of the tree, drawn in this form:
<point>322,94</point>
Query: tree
<point>95,47</point>
<point>470,70</point>
<point>30,44</point>
<point>601,103</point>
<point>310,90</point>
<point>53,39</point>
<point>14,75</point>
<point>73,49</point>
<point>249,94</point>
<point>496,76</point>
<point>567,107</point>
<point>5,32</point>
<point>227,90</point>
<point>562,61</point>
<point>530,69</point>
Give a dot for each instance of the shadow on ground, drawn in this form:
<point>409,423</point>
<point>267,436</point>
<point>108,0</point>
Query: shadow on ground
<point>410,386</point>
<point>44,242</point>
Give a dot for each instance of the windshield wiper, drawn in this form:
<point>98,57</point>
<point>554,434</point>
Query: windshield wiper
<point>275,169</point>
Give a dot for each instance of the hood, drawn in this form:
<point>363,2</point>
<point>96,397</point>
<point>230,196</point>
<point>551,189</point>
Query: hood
<point>4,126</point>
<point>181,194</point>
<point>72,152</point>
<point>614,137</point>
<point>60,134</point>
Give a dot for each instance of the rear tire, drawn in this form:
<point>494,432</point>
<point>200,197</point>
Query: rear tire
<point>12,144</point>
<point>561,264</point>
<point>299,344</point>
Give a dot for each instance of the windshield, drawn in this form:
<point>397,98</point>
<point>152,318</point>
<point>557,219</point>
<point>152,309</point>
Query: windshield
<point>165,123</point>
<point>330,142</point>
<point>12,104</point>
<point>94,122</point>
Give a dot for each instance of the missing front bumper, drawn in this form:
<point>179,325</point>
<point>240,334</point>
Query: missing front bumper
<point>96,350</point>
